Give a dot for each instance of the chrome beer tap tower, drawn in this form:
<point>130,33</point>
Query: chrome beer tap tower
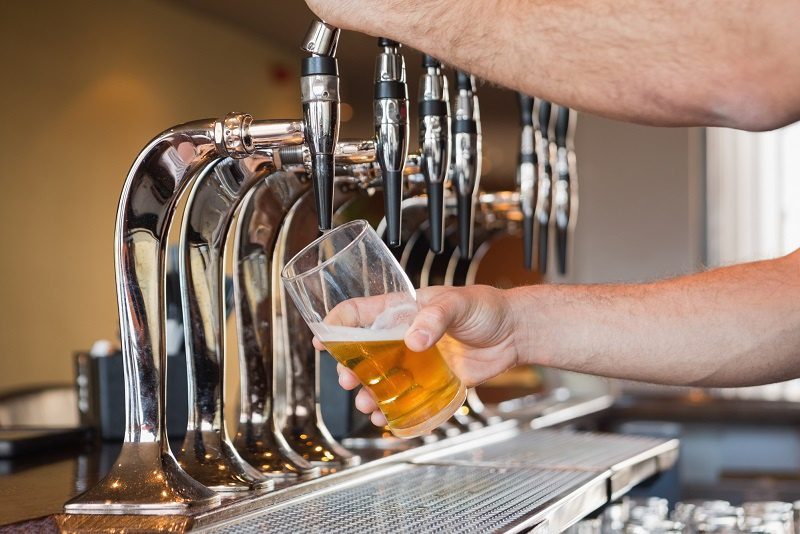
<point>250,186</point>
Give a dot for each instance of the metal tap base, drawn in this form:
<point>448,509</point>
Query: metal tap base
<point>321,450</point>
<point>271,454</point>
<point>145,479</point>
<point>212,460</point>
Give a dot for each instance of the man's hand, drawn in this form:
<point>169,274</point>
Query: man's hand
<point>473,327</point>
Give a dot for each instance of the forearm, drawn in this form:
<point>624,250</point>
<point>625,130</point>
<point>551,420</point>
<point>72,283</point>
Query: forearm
<point>661,62</point>
<point>734,326</point>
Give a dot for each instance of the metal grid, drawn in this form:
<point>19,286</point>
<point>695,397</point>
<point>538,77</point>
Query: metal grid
<point>555,449</point>
<point>427,498</point>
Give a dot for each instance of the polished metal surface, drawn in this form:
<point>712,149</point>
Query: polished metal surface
<point>466,158</point>
<point>434,140</point>
<point>391,131</point>
<point>207,453</point>
<point>486,480</point>
<point>298,416</point>
<point>565,189</point>
<point>629,459</point>
<point>258,439</point>
<point>146,478</point>
<point>433,498</point>
<point>319,94</point>
<point>321,39</point>
<point>544,198</point>
<point>527,175</point>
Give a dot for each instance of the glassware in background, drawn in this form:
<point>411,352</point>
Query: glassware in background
<point>328,282</point>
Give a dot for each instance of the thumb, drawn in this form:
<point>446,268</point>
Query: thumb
<point>434,318</point>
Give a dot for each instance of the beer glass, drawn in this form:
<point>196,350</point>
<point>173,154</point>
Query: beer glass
<point>359,303</point>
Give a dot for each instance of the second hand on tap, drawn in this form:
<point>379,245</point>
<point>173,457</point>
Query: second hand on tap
<point>391,131</point>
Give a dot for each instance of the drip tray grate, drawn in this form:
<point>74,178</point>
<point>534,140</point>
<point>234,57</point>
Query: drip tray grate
<point>553,449</point>
<point>443,498</point>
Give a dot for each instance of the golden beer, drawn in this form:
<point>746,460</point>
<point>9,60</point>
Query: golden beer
<point>416,391</point>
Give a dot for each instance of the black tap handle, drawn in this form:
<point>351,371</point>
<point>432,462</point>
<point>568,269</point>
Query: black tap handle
<point>465,208</point>
<point>527,242</point>
<point>562,212</point>
<point>562,126</point>
<point>544,118</point>
<point>436,215</point>
<point>464,81</point>
<point>430,61</point>
<point>543,235</point>
<point>527,155</point>
<point>525,110</point>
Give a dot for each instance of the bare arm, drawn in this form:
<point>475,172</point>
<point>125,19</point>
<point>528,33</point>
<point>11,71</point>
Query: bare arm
<point>734,326</point>
<point>665,62</point>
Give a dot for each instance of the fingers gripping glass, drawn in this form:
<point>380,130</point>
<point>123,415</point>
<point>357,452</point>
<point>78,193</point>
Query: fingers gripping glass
<point>358,301</point>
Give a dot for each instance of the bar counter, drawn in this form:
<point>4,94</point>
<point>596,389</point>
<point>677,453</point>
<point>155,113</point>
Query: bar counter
<point>507,477</point>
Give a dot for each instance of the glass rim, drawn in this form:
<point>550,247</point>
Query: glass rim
<point>320,239</point>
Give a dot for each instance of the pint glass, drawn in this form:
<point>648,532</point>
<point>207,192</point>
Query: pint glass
<point>359,303</point>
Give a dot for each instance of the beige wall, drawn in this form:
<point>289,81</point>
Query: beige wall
<point>84,85</point>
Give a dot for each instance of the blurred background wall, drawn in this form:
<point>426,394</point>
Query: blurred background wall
<point>87,84</point>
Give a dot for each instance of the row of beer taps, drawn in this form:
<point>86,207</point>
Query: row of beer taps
<point>249,197</point>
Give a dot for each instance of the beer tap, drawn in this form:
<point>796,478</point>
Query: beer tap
<point>146,478</point>
<point>391,131</point>
<point>434,141</point>
<point>562,187</point>
<point>527,171</point>
<point>319,88</point>
<point>544,182</point>
<point>466,157</point>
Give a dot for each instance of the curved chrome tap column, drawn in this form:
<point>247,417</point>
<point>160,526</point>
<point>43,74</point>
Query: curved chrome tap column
<point>300,418</point>
<point>258,438</point>
<point>207,453</point>
<point>146,478</point>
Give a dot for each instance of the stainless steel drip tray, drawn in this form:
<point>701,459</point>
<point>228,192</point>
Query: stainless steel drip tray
<point>442,498</point>
<point>499,479</point>
<point>630,459</point>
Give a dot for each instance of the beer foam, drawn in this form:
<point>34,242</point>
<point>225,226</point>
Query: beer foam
<point>358,335</point>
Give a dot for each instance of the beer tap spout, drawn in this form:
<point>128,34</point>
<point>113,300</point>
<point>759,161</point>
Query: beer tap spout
<point>434,139</point>
<point>466,158</point>
<point>561,188</point>
<point>319,88</point>
<point>527,171</point>
<point>391,131</point>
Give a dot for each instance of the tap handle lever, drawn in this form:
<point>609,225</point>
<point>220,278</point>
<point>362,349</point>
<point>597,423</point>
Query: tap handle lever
<point>544,200</point>
<point>391,131</point>
<point>466,158</point>
<point>527,176</point>
<point>319,87</point>
<point>562,186</point>
<point>434,140</point>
